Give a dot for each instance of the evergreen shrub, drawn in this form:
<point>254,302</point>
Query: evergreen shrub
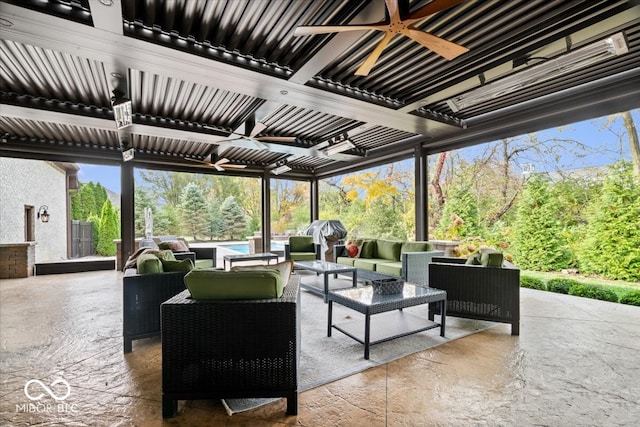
<point>593,292</point>
<point>631,298</point>
<point>560,285</point>
<point>532,283</point>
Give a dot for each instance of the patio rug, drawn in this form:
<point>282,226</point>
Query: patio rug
<point>326,359</point>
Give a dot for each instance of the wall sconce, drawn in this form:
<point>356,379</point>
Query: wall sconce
<point>43,213</point>
<point>121,110</point>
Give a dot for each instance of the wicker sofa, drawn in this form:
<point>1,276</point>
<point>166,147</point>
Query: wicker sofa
<point>478,292</point>
<point>231,348</point>
<point>409,260</point>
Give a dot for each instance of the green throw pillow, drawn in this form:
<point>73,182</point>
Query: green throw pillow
<point>166,255</point>
<point>368,249</point>
<point>174,265</point>
<point>148,264</point>
<point>474,259</point>
<point>491,258</point>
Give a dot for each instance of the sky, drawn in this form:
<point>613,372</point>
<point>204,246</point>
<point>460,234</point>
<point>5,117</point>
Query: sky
<point>605,148</point>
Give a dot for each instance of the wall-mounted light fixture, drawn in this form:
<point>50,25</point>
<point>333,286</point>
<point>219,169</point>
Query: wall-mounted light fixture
<point>552,68</point>
<point>121,110</point>
<point>43,213</point>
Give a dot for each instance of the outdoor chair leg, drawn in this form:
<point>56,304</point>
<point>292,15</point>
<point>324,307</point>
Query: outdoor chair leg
<point>128,346</point>
<point>169,407</point>
<point>292,404</point>
<point>515,328</point>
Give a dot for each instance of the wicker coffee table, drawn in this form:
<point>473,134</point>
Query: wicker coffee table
<point>395,322</point>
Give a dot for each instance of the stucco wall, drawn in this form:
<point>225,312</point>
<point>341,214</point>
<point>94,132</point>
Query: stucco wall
<point>34,183</point>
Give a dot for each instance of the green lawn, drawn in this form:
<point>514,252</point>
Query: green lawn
<point>620,287</point>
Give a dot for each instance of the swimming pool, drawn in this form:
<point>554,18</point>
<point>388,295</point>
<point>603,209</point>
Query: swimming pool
<point>243,248</point>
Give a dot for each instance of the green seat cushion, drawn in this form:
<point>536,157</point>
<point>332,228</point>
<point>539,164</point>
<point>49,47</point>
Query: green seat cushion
<point>368,264</point>
<point>285,268</point>
<point>175,265</point>
<point>346,260</point>
<point>234,285</point>
<point>368,249</point>
<point>148,264</point>
<point>474,259</point>
<point>392,268</point>
<point>388,249</point>
<point>301,244</point>
<point>491,258</point>
<point>303,256</point>
<point>416,247</point>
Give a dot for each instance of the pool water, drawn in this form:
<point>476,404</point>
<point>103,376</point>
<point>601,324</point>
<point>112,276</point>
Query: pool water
<point>243,248</point>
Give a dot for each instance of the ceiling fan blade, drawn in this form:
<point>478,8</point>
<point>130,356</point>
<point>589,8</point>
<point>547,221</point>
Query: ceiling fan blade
<point>257,128</point>
<point>429,9</point>
<point>277,138</point>
<point>222,161</point>
<point>233,166</point>
<point>368,64</point>
<point>394,12</point>
<point>218,168</point>
<point>439,45</point>
<point>305,30</point>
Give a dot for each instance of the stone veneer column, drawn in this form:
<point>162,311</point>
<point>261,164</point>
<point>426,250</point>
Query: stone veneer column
<point>17,259</point>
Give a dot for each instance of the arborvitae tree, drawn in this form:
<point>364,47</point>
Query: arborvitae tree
<point>109,230</point>
<point>88,198</point>
<point>76,204</point>
<point>234,220</point>
<point>539,240</point>
<point>100,196</point>
<point>216,225</point>
<point>95,219</point>
<point>611,240</point>
<point>193,208</point>
<point>462,204</point>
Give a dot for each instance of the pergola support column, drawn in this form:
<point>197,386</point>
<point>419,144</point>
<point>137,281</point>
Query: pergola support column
<point>421,193</point>
<point>266,212</point>
<point>127,213</point>
<point>314,199</point>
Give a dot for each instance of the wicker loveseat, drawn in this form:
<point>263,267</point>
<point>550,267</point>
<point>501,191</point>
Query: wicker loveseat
<point>408,260</point>
<point>478,292</point>
<point>214,349</point>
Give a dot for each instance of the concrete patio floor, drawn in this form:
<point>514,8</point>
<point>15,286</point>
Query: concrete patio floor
<point>574,364</point>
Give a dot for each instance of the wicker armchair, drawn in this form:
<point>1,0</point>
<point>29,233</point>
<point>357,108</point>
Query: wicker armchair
<point>215,349</point>
<point>301,248</point>
<point>142,296</point>
<point>477,292</point>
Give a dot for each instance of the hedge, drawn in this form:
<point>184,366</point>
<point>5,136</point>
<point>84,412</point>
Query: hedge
<point>631,298</point>
<point>532,283</point>
<point>593,292</point>
<point>560,285</point>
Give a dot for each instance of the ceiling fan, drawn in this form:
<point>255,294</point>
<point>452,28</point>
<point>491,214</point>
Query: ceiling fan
<point>221,164</point>
<point>257,140</point>
<point>397,25</point>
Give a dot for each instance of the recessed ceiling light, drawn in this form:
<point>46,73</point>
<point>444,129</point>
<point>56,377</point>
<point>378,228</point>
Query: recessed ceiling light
<point>5,23</point>
<point>107,2</point>
<point>284,92</point>
<point>116,75</point>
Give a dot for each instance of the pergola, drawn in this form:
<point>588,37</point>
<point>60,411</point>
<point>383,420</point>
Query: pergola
<point>215,84</point>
